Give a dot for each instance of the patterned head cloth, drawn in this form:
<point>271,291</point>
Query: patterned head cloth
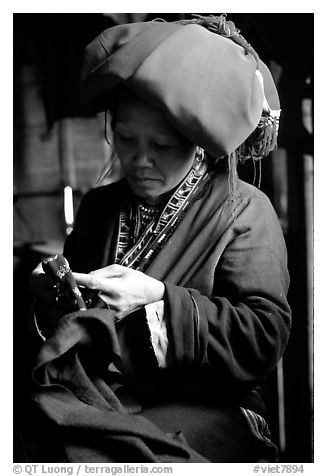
<point>201,73</point>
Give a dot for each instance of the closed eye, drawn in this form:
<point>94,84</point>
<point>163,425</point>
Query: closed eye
<point>162,147</point>
<point>126,139</point>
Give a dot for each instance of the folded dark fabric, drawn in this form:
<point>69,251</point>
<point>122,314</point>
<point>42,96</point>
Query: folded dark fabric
<point>75,388</point>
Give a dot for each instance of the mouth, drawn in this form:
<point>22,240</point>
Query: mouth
<point>144,179</point>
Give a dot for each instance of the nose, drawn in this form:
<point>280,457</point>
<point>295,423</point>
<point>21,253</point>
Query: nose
<point>142,157</point>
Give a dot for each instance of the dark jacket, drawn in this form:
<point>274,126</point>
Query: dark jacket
<point>226,278</point>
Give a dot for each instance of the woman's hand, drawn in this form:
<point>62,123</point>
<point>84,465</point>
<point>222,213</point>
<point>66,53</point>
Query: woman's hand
<point>123,289</point>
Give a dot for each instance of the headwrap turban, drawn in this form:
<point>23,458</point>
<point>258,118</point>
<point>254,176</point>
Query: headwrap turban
<point>207,86</point>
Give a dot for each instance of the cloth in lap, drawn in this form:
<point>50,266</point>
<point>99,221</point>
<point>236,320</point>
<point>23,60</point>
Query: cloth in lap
<point>96,415</point>
<point>94,424</point>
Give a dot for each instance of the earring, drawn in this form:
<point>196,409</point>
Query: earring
<point>199,157</point>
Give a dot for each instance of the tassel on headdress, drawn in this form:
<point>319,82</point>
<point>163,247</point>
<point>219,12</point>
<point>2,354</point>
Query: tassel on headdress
<point>263,139</point>
<point>232,176</point>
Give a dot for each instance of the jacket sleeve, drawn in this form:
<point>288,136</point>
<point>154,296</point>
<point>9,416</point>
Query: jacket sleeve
<point>242,329</point>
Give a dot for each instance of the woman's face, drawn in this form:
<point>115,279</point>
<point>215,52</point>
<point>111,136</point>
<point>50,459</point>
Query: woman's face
<point>154,157</point>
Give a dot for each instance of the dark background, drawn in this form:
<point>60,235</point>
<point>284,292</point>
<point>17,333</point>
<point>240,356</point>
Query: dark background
<point>55,147</point>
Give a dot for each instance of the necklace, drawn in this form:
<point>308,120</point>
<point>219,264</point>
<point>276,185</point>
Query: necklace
<point>147,213</point>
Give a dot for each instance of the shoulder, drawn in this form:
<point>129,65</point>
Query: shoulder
<point>104,194</point>
<point>257,204</point>
<point>105,190</point>
<point>257,215</point>
<point>253,195</point>
<point>250,212</point>
<point>248,196</point>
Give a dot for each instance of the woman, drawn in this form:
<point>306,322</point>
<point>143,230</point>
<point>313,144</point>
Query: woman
<point>183,266</point>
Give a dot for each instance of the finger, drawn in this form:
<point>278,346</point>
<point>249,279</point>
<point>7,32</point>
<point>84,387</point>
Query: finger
<point>38,269</point>
<point>107,299</point>
<point>112,271</point>
<point>91,281</point>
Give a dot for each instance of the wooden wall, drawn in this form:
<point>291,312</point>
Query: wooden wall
<point>71,153</point>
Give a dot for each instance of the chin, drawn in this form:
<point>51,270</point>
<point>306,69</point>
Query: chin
<point>151,191</point>
<point>151,199</point>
